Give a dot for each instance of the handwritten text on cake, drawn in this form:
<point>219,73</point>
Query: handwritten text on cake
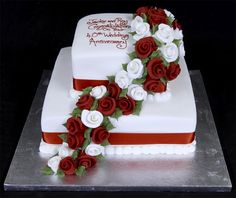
<point>108,31</point>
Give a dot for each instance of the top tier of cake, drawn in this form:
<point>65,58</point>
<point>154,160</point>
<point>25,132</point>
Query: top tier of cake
<point>101,45</point>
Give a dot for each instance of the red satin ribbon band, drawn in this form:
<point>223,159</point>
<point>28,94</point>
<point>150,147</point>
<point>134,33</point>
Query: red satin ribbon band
<point>80,84</point>
<point>133,138</point>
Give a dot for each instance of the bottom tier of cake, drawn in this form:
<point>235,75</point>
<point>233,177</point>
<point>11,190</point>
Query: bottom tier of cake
<point>166,126</point>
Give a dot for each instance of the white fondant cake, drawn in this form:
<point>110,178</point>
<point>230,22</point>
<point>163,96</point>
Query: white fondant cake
<point>147,107</point>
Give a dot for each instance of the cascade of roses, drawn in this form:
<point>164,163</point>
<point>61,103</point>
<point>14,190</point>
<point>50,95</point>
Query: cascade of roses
<point>153,63</point>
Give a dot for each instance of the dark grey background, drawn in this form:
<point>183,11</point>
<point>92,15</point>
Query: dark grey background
<point>32,33</point>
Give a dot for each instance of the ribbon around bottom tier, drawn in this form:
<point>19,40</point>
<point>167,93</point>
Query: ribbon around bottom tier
<point>133,138</point>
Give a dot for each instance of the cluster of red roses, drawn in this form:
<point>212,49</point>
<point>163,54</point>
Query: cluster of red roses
<point>69,165</point>
<point>156,16</point>
<point>155,67</point>
<point>76,129</point>
<point>146,46</point>
<point>108,104</point>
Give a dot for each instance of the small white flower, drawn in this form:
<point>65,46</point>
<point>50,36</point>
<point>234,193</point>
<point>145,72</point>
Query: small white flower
<point>48,149</point>
<point>170,52</point>
<point>91,119</point>
<point>181,49</point>
<point>64,150</point>
<point>98,91</point>
<point>135,68</point>
<point>74,94</point>
<point>137,92</point>
<point>178,34</point>
<point>94,149</point>
<point>54,162</point>
<point>122,79</point>
<point>169,14</point>
<point>164,33</point>
<point>135,22</point>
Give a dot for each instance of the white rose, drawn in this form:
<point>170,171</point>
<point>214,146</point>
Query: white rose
<point>122,79</point>
<point>170,52</point>
<point>135,22</point>
<point>142,30</point>
<point>181,49</point>
<point>64,150</point>
<point>54,162</point>
<point>137,92</point>
<point>135,68</point>
<point>178,34</point>
<point>169,14</point>
<point>98,91</point>
<point>164,33</point>
<point>94,149</point>
<point>91,119</point>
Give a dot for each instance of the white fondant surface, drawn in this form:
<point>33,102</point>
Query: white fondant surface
<point>176,115</point>
<point>101,44</point>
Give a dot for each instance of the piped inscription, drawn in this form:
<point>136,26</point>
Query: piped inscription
<point>108,31</point>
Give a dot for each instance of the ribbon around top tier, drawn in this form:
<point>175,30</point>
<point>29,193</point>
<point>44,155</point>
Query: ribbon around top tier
<point>80,84</point>
<point>133,138</point>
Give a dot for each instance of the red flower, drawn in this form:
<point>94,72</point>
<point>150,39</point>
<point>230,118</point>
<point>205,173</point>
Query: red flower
<point>86,161</point>
<point>172,71</point>
<point>114,90</point>
<point>175,24</point>
<point>74,125</point>
<point>126,105</point>
<point>107,105</point>
<point>85,102</point>
<point>99,135</point>
<point>142,10</point>
<point>154,85</point>
<point>156,69</point>
<point>145,46</point>
<point>157,16</point>
<point>75,141</point>
<point>67,165</point>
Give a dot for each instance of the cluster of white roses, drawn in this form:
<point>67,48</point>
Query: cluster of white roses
<point>124,79</point>
<point>165,34</point>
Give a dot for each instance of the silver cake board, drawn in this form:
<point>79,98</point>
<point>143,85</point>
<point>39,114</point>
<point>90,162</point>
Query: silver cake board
<point>203,170</point>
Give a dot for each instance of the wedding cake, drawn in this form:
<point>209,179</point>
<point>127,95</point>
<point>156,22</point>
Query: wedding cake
<point>123,88</point>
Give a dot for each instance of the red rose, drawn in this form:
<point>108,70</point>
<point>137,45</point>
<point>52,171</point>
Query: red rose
<point>99,135</point>
<point>157,16</point>
<point>145,46</point>
<point>75,141</point>
<point>126,105</point>
<point>142,10</point>
<point>85,102</point>
<point>74,125</point>
<point>154,85</point>
<point>172,71</point>
<point>114,90</point>
<point>86,161</point>
<point>107,105</point>
<point>67,165</point>
<point>156,69</point>
<point>175,24</point>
